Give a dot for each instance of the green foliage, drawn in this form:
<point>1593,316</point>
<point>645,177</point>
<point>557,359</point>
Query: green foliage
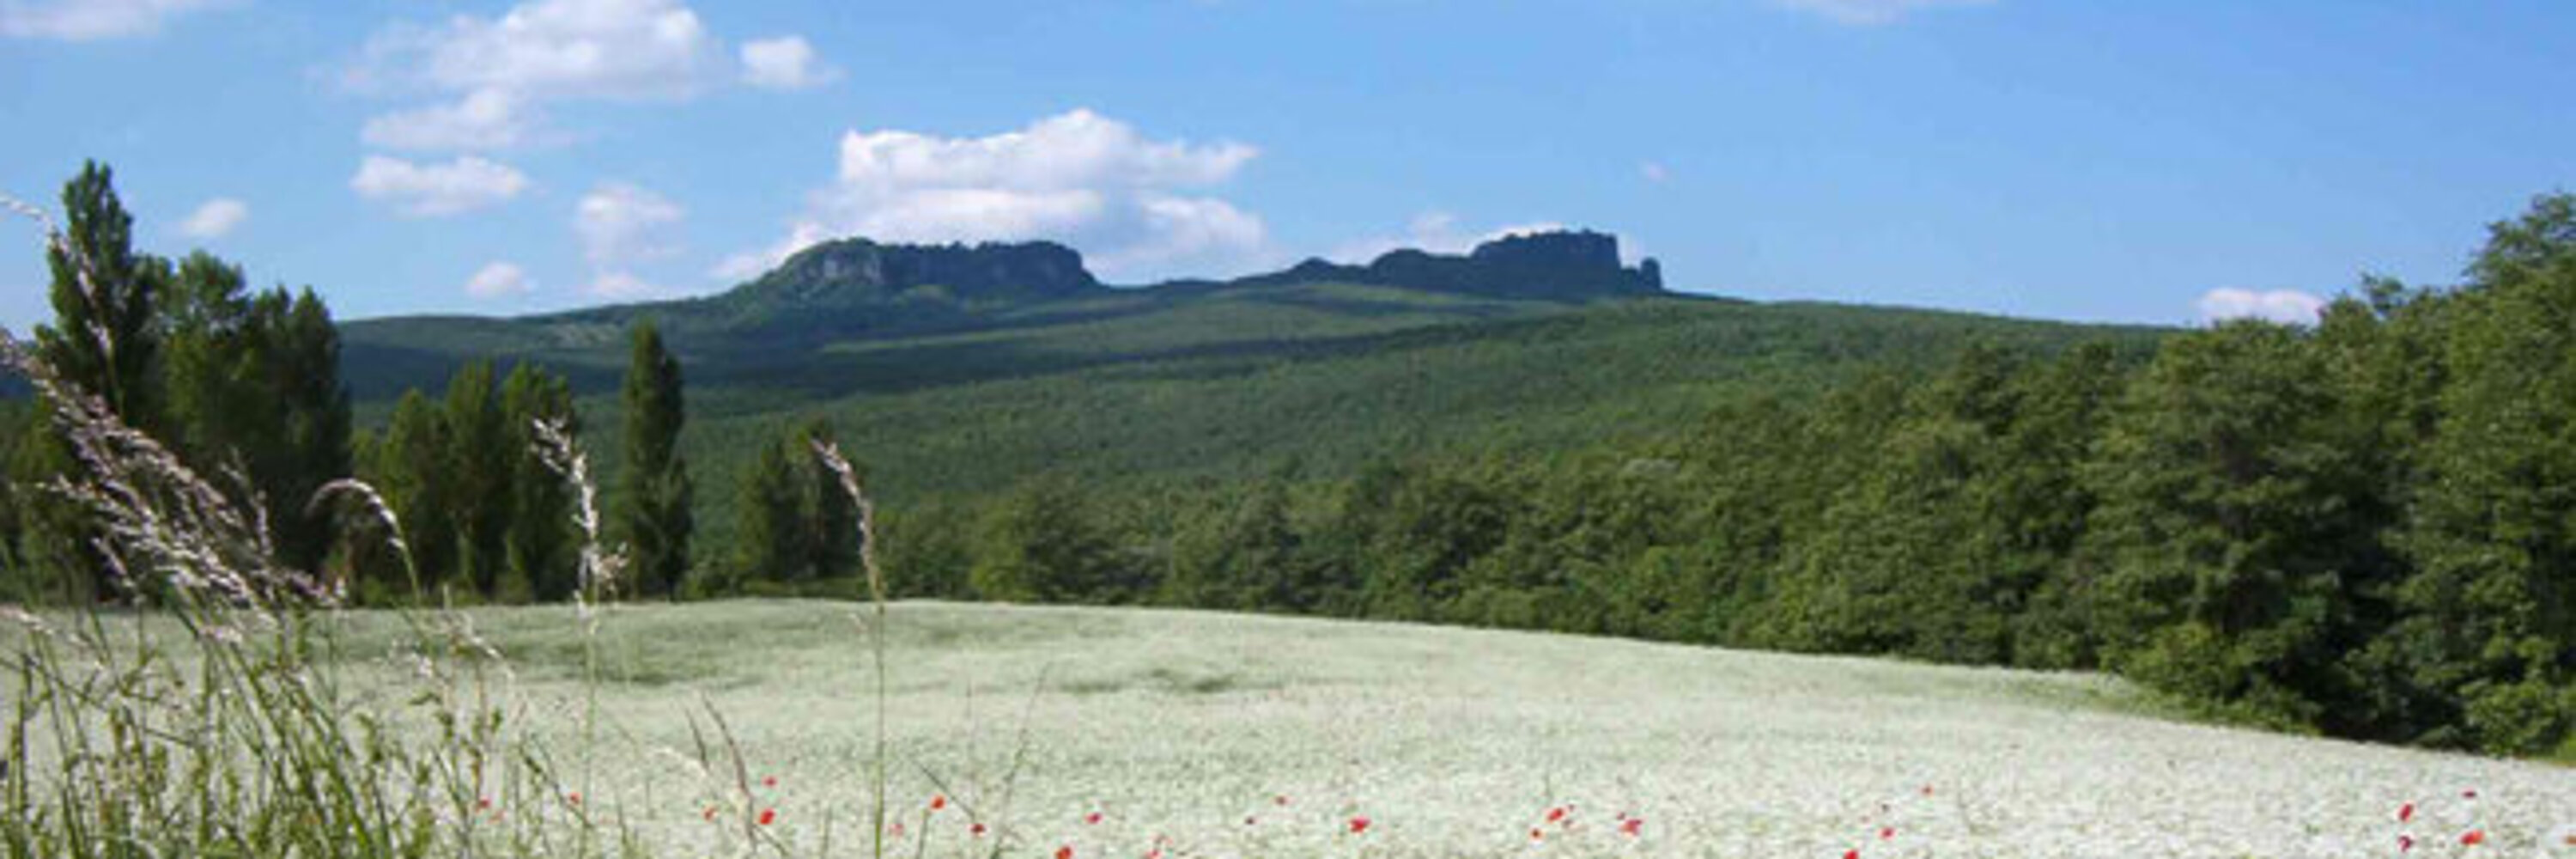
<point>652,510</point>
<point>1041,542</point>
<point>105,338</point>
<point>542,537</point>
<point>2492,602</point>
<point>2238,520</point>
<point>409,465</point>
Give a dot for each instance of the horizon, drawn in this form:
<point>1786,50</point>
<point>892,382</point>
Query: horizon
<point>1980,157</point>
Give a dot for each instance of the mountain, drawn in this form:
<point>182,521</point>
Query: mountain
<point>775,328</point>
<point>1537,266</point>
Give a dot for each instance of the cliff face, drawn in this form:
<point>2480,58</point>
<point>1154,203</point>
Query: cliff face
<point>1559,266</point>
<point>857,272</point>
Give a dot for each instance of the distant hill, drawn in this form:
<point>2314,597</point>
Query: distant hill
<point>959,370</point>
<point>772,328</point>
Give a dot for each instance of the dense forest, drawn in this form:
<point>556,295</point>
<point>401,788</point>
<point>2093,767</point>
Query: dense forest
<point>2364,527</point>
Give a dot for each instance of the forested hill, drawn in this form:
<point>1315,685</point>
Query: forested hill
<point>795,326</point>
<point>959,371</point>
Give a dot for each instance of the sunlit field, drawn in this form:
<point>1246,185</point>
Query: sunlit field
<point>1164,733</point>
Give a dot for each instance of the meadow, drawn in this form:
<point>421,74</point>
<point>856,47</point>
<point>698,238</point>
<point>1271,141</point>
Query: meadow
<point>1135,732</point>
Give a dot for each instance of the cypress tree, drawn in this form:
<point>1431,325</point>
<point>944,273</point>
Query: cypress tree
<point>653,501</point>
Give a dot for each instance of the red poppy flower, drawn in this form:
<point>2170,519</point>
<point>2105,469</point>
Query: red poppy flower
<point>2405,843</point>
<point>1359,825</point>
<point>769,781</point>
<point>2405,812</point>
<point>1630,826</point>
<point>1064,852</point>
<point>2473,838</point>
<point>2471,793</point>
<point>1555,815</point>
<point>483,803</point>
<point>1851,854</point>
<point>1927,790</point>
<point>938,801</point>
<point>768,816</point>
<point>976,830</point>
<point>1886,832</point>
<point>574,796</point>
<point>709,814</point>
<point>1092,819</point>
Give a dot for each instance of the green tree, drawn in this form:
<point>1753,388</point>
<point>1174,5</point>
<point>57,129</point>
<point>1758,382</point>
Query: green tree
<point>541,539</point>
<point>410,466</point>
<point>303,376</point>
<point>774,539</point>
<point>481,464</point>
<point>653,502</point>
<point>105,338</point>
<point>2492,605</point>
<point>105,342</point>
<point>2228,527</point>
<point>1040,542</point>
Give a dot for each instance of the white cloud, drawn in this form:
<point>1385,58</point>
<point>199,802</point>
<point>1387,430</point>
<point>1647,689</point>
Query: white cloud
<point>1139,207</point>
<point>1653,171</point>
<point>214,218</point>
<point>86,20</point>
<point>787,62</point>
<point>621,225</point>
<point>498,74</point>
<point>624,49</point>
<point>484,119</point>
<point>434,189</point>
<point>1870,12</point>
<point>499,280</point>
<point>2281,305</point>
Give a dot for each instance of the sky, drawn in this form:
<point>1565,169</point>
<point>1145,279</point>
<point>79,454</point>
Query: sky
<point>2165,162</point>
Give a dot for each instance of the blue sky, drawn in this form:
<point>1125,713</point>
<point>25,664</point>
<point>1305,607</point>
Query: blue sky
<point>2146,162</point>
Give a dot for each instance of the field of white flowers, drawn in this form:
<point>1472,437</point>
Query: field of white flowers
<point>1105,733</point>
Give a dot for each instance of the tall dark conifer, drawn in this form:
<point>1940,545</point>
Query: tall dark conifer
<point>653,499</point>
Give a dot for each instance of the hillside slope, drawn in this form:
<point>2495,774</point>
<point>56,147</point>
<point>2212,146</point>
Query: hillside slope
<point>946,390</point>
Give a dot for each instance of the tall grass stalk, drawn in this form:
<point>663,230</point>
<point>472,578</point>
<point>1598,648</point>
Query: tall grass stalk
<point>829,454</point>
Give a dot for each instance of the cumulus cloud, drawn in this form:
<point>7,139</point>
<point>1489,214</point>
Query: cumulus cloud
<point>1139,207</point>
<point>787,62</point>
<point>482,120</point>
<point>86,20</point>
<point>214,218</point>
<point>1871,12</point>
<point>621,226</point>
<point>552,49</point>
<point>2280,305</point>
<point>493,77</point>
<point>435,189</point>
<point>498,280</point>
